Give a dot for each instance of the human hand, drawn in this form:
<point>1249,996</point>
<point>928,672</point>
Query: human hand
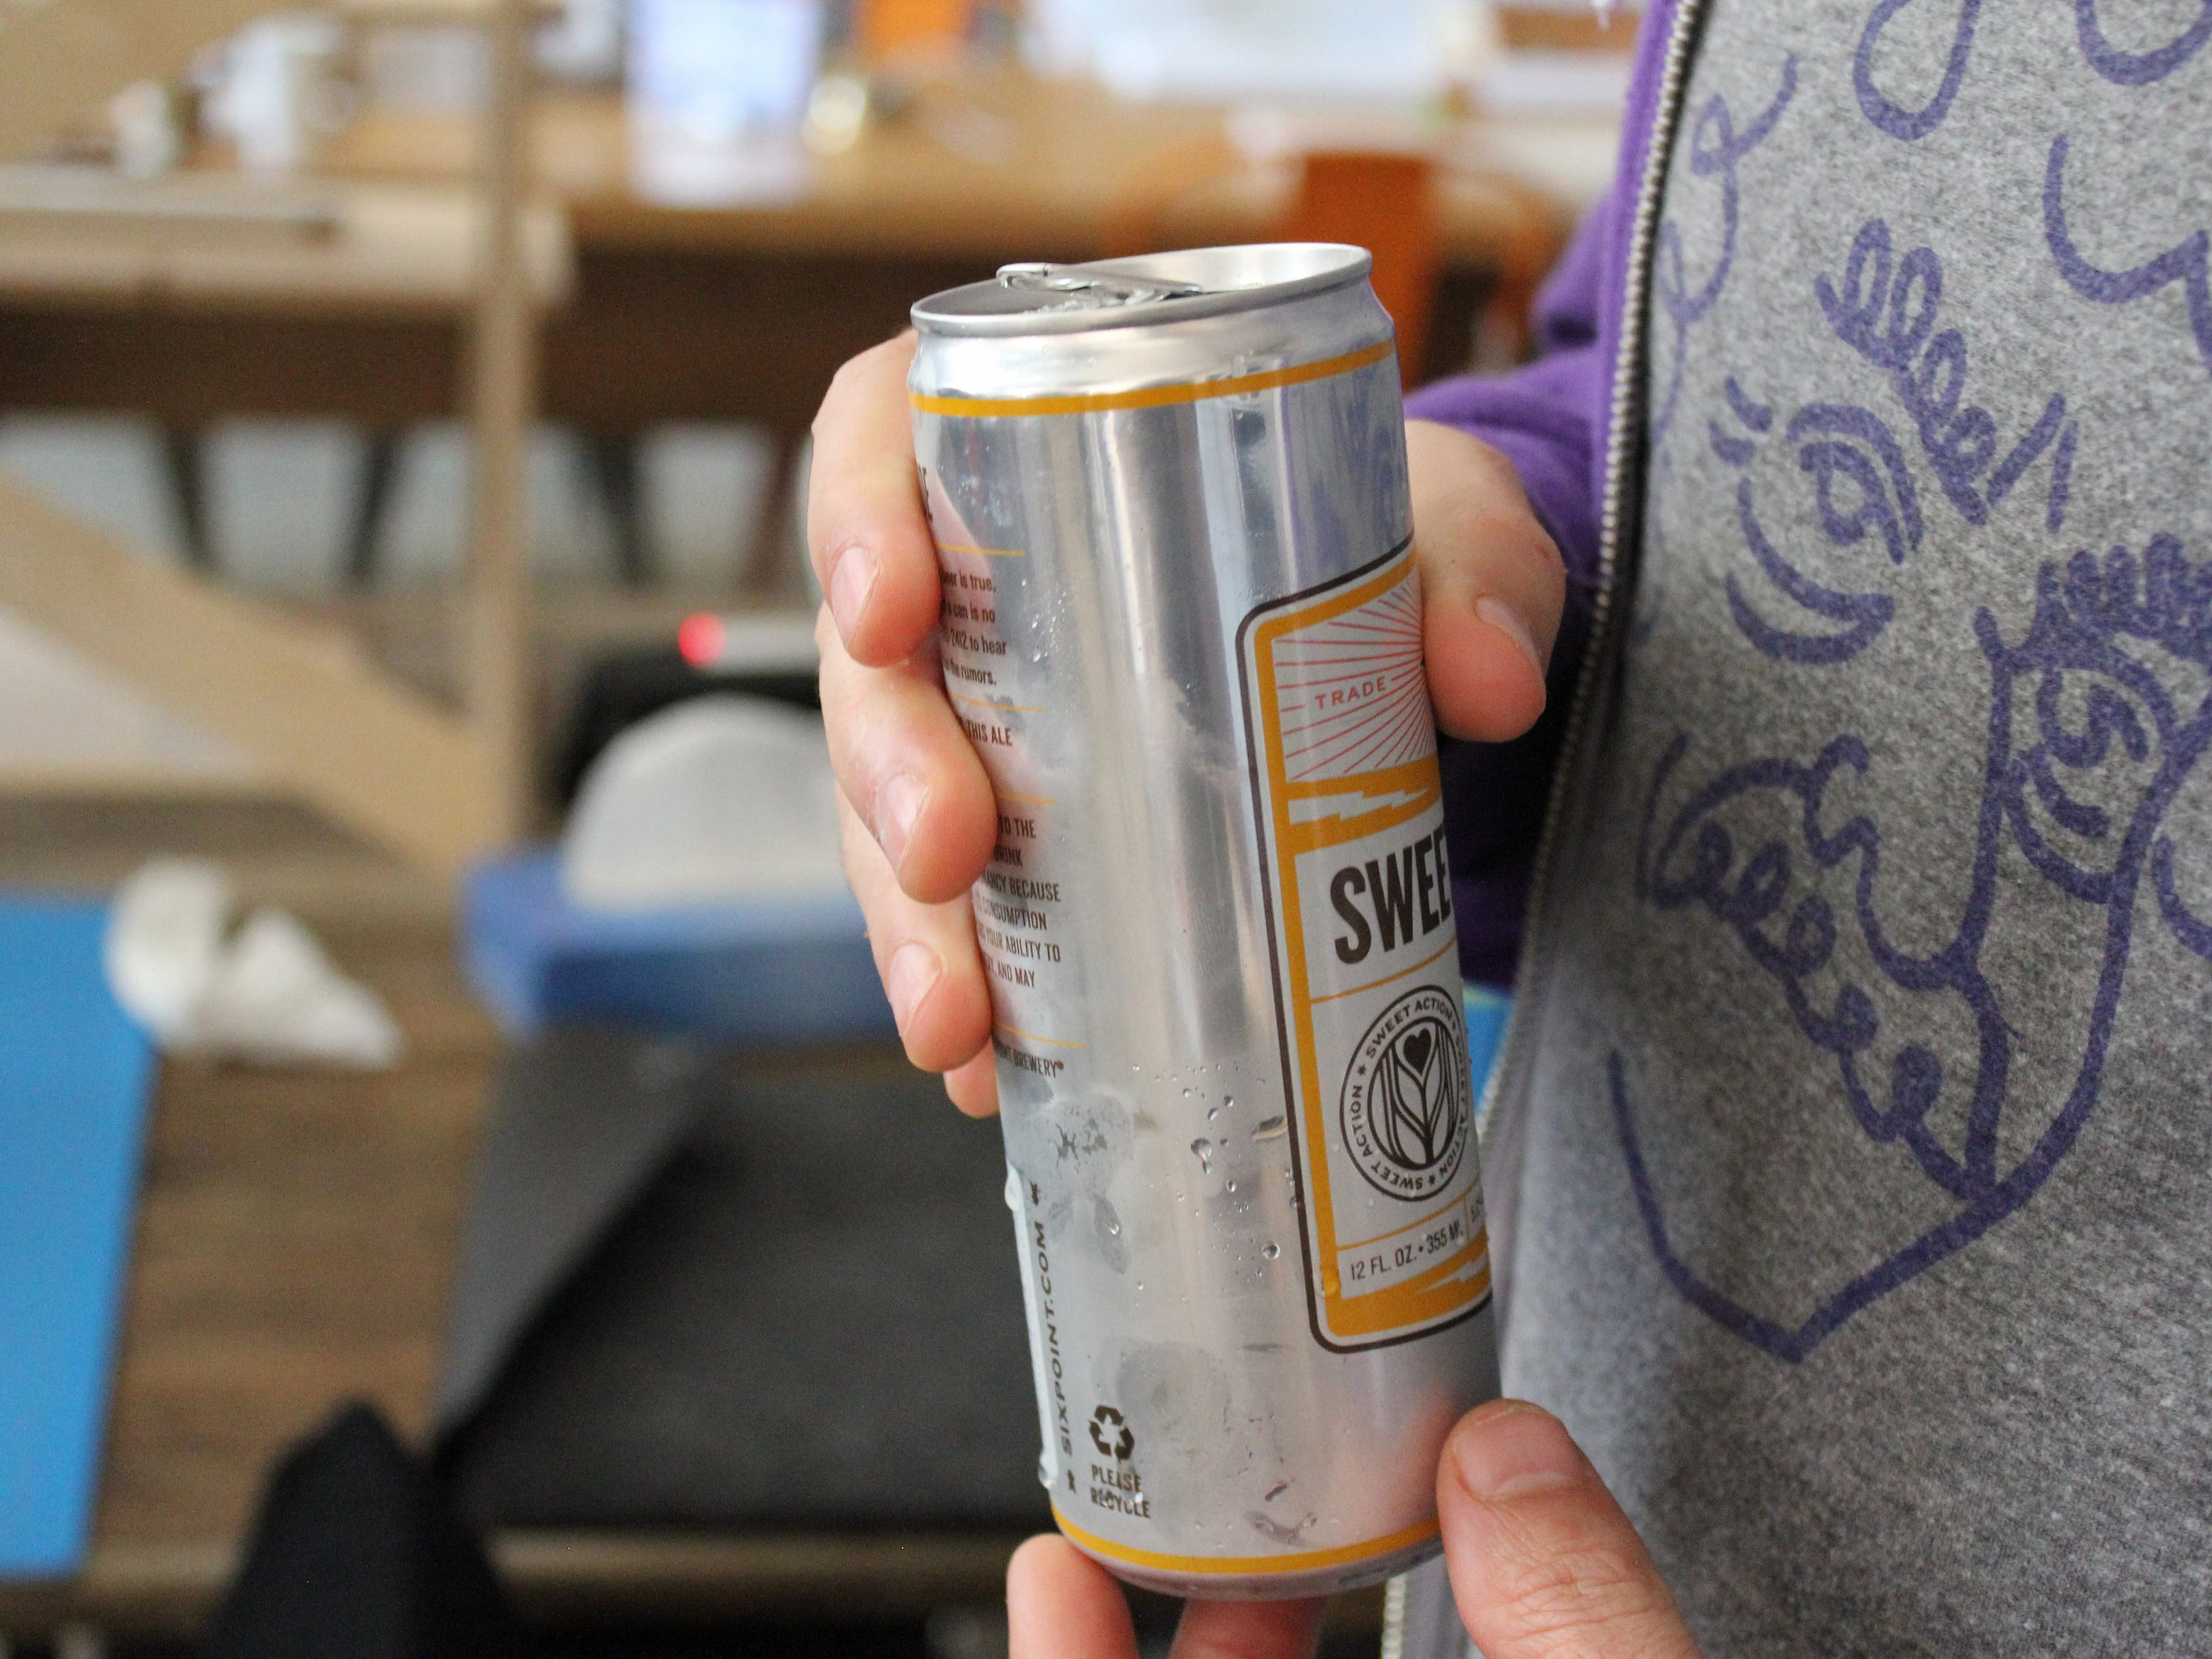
<point>918,815</point>
<point>1543,1565</point>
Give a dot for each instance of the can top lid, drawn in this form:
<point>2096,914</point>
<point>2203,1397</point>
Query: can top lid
<point>1152,287</point>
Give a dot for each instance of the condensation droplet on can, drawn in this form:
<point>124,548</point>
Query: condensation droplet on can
<point>1212,1113</point>
<point>1270,1251</point>
<point>1268,1129</point>
<point>1230,1186</point>
<point>1204,1149</point>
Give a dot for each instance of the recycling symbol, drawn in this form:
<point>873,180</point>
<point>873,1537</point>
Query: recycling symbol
<point>1103,1422</point>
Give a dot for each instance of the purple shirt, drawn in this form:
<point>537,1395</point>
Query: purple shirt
<point>1549,420</point>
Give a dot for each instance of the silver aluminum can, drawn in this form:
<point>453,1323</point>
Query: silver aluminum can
<point>1181,626</point>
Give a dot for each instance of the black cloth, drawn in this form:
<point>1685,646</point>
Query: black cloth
<point>750,1292</point>
<point>358,1553</point>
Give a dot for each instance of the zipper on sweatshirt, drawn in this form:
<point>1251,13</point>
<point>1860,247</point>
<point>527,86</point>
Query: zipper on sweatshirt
<point>1394,1617</point>
<point>1620,451</point>
<point>1626,410</point>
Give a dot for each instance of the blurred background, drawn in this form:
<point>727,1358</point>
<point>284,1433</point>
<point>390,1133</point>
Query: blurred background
<point>453,1154</point>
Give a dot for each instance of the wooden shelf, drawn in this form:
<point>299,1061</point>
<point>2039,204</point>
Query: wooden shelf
<point>62,58</point>
<point>218,242</point>
<point>323,724</point>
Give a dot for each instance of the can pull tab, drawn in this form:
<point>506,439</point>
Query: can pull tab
<point>1087,289</point>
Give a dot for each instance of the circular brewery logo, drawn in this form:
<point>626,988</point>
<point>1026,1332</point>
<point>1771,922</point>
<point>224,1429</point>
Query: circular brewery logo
<point>1408,1106</point>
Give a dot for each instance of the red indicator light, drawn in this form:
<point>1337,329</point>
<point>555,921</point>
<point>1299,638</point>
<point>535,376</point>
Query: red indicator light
<point>700,638</point>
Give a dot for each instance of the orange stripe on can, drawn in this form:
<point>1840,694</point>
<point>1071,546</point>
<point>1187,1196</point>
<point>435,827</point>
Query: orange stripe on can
<point>1153,396</point>
<point>1293,1561</point>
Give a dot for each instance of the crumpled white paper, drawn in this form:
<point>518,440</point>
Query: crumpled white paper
<point>721,800</point>
<point>267,995</point>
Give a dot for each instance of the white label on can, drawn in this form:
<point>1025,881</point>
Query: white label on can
<point>1343,754</point>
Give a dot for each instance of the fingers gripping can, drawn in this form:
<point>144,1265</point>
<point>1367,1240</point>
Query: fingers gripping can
<point>1181,624</point>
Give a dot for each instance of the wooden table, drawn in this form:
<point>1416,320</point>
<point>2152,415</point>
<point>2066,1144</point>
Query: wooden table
<point>297,1233</point>
<point>741,311</point>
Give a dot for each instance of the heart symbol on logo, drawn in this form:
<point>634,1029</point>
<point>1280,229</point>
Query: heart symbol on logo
<point>1416,1047</point>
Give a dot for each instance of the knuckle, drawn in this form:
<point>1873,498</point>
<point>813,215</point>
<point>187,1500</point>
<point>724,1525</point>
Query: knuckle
<point>861,367</point>
<point>1585,1600</point>
<point>858,852</point>
<point>838,720</point>
<point>1247,1631</point>
<point>1553,567</point>
<point>840,387</point>
<point>1233,1644</point>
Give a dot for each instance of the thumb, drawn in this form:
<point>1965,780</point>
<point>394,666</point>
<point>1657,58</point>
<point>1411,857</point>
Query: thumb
<point>1543,1563</point>
<point>1492,587</point>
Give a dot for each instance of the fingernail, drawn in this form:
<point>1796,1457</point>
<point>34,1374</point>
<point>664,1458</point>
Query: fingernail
<point>850,585</point>
<point>909,974</point>
<point>1506,620</point>
<point>1516,1451</point>
<point>898,804</point>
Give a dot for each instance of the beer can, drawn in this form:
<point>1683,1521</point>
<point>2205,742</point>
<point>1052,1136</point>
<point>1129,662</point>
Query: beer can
<point>1181,626</point>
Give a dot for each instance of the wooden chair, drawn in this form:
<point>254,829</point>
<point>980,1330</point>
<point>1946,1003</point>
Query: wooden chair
<point>896,28</point>
<point>610,464</point>
<point>1383,201</point>
<point>1380,202</point>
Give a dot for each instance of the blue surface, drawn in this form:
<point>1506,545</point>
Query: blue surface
<point>74,1080</point>
<point>1485,1029</point>
<point>788,970</point>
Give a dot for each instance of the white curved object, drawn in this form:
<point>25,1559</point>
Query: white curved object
<point>719,800</point>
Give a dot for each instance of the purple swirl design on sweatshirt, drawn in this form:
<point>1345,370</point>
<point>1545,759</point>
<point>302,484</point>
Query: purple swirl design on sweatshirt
<point>1716,148</point>
<point>1888,312</point>
<point>2088,743</point>
<point>2138,69</point>
<point>1909,125</point>
<point>1861,487</point>
<point>2185,263</point>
